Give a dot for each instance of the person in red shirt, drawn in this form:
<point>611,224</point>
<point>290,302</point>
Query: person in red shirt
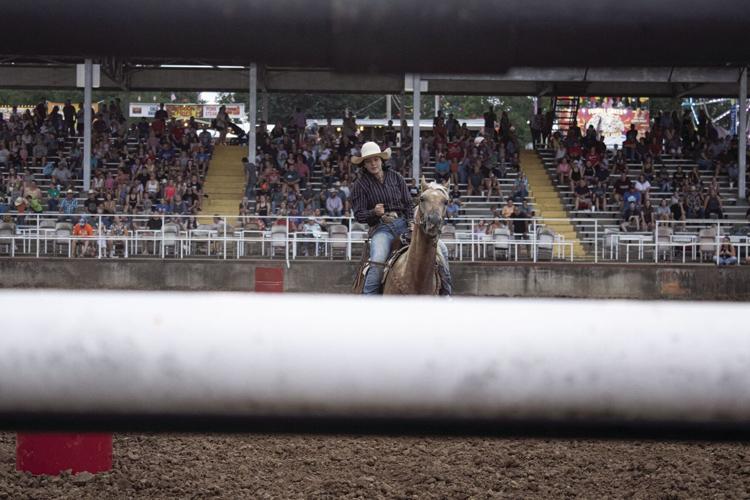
<point>593,157</point>
<point>82,229</point>
<point>158,127</point>
<point>455,152</point>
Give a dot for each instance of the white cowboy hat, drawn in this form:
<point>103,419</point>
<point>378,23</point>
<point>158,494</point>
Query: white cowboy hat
<point>370,149</point>
<point>19,201</point>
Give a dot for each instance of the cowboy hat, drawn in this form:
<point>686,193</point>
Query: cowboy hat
<point>19,201</point>
<point>369,150</point>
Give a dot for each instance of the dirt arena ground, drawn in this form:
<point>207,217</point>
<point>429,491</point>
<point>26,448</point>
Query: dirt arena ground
<point>289,467</point>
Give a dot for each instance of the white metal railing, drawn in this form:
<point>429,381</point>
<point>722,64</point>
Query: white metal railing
<point>467,238</point>
<point>688,366</point>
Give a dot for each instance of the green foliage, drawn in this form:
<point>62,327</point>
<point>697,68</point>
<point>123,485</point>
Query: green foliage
<point>34,96</point>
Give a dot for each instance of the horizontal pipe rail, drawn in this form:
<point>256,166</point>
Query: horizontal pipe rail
<point>307,363</point>
<point>395,35</point>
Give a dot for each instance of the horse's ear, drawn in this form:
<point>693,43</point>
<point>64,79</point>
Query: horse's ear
<point>423,184</point>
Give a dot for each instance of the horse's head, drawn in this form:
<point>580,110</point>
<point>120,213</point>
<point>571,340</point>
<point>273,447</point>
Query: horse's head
<point>433,200</point>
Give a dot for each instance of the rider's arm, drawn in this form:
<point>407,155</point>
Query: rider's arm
<point>359,205</point>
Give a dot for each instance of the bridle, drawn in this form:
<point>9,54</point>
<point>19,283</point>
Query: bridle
<point>423,221</point>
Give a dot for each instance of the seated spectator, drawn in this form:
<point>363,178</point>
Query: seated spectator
<point>291,179</point>
<point>694,203</point>
<point>727,253</point>
<point>520,226</point>
<point>508,209</point>
<point>118,229</point>
<point>582,196</point>
<point>631,218</point>
<point>643,186</point>
<point>648,216</point>
<point>520,188</point>
<point>679,179</point>
<point>442,168</point>
<point>563,171</point>
<point>474,186</point>
<point>576,174</point>
<point>599,195</point>
<point>82,230</point>
<point>662,181</point>
<point>492,186</point>
<point>53,196</point>
<point>334,205</point>
<point>679,212</point>
<point>69,205</point>
<point>663,211</point>
<point>620,187</point>
<point>452,210</point>
<point>713,205</point>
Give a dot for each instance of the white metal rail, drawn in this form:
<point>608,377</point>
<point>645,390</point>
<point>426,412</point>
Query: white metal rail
<point>69,357</point>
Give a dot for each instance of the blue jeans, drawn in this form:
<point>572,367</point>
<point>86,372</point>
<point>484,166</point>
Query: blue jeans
<point>726,261</point>
<point>380,249</point>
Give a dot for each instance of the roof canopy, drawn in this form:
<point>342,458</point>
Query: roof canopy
<point>666,81</point>
<point>385,36</point>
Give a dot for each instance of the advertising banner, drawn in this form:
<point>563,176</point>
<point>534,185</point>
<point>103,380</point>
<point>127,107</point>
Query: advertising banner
<point>233,110</point>
<point>613,122</point>
<point>185,111</point>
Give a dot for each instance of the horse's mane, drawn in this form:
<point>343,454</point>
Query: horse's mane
<point>439,187</point>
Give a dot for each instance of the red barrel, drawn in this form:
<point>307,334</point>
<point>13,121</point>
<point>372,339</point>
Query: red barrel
<point>54,453</point>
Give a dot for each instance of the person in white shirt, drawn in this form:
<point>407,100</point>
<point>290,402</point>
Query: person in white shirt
<point>642,186</point>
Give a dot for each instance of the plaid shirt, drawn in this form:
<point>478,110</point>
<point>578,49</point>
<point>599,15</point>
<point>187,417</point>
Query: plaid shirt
<point>393,193</point>
<point>68,205</point>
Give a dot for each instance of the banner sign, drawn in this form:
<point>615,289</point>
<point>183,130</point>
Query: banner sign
<point>612,123</point>
<point>185,111</point>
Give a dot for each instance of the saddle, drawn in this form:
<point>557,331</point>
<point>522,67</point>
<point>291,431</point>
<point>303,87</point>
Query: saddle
<point>398,248</point>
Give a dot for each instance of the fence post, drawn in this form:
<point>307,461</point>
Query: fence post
<point>224,232</point>
<point>656,242</point>
<point>596,241</point>
<point>286,243</point>
<point>163,223</point>
<point>38,230</point>
<point>534,240</point>
<point>472,240</point>
<point>718,240</point>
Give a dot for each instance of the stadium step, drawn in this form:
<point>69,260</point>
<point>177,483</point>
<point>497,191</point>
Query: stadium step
<point>225,182</point>
<point>548,202</point>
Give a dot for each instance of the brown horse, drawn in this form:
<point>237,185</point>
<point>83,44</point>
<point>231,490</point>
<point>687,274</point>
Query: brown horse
<point>415,271</point>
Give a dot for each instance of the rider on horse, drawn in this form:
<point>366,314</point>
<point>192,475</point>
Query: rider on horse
<point>381,199</point>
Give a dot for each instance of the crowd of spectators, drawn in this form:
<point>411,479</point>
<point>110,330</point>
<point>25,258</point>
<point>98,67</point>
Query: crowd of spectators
<point>280,179</point>
<point>150,167</point>
<point>601,179</point>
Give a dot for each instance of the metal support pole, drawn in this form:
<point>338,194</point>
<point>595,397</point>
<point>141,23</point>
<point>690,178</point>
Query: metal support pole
<point>388,114</point>
<point>437,104</point>
<point>415,126</point>
<point>252,113</point>
<point>88,81</point>
<point>742,134</point>
<point>266,104</point>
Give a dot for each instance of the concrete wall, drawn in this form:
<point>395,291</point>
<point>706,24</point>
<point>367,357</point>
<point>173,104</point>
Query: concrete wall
<point>506,280</point>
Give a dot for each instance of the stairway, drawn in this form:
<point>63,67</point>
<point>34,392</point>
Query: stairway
<point>566,113</point>
<point>225,182</point>
<point>548,202</point>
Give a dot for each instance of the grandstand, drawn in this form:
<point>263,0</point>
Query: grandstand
<point>179,156</point>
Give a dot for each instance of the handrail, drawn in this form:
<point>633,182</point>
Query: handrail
<point>33,238</point>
